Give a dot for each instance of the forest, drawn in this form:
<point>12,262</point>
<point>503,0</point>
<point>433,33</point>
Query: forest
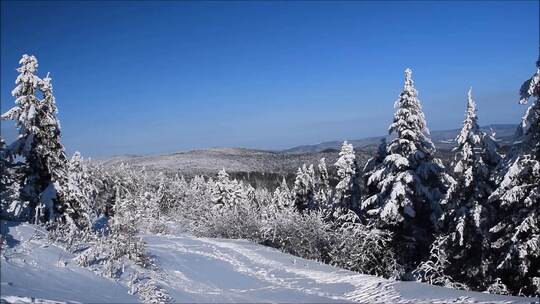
<point>471,225</point>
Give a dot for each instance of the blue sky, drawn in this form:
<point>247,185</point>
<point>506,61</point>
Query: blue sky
<point>156,77</point>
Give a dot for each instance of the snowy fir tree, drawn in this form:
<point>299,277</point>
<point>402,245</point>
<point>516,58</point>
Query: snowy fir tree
<point>282,196</point>
<point>39,144</point>
<point>322,195</point>
<point>467,214</point>
<point>227,192</point>
<point>374,162</point>
<point>11,206</point>
<point>516,238</point>
<point>406,188</point>
<point>304,189</point>
<point>346,193</point>
<point>81,188</point>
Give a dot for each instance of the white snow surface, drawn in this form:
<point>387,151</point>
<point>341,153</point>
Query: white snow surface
<point>201,270</point>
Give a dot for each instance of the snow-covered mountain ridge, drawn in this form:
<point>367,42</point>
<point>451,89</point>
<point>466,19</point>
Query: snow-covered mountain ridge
<point>210,161</point>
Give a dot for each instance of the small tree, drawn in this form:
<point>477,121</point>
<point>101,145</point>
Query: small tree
<point>282,196</point>
<point>346,192</point>
<point>81,188</point>
<point>322,195</point>
<point>226,192</point>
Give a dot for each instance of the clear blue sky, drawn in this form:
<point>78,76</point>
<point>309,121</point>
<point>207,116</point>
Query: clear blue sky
<point>156,77</point>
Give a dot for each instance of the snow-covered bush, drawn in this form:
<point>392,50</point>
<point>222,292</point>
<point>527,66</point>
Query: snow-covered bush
<point>150,292</point>
<point>300,234</point>
<point>432,271</point>
<point>362,248</point>
<point>241,221</point>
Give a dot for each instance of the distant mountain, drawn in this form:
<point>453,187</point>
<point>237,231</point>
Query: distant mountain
<point>442,139</point>
<point>267,168</point>
<point>210,161</point>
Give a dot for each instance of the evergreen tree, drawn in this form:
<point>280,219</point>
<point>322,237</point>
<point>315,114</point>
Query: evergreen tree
<point>11,206</point>
<point>39,144</point>
<point>282,196</point>
<point>227,192</point>
<point>81,188</point>
<point>304,189</point>
<point>406,188</point>
<point>467,214</point>
<point>322,195</point>
<point>346,192</point>
<point>53,154</point>
<point>516,238</point>
<point>374,162</point>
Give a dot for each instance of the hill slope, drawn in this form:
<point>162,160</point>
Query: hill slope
<point>210,161</point>
<point>200,270</point>
<point>280,163</point>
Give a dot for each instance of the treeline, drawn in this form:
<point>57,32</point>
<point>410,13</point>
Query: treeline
<point>471,225</point>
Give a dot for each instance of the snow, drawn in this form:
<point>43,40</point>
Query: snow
<point>32,267</point>
<point>202,270</point>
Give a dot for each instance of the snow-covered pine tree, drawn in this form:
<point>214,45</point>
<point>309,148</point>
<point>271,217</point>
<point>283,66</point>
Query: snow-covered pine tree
<point>81,188</point>
<point>376,160</point>
<point>11,206</point>
<point>516,238</point>
<point>467,214</point>
<point>282,196</point>
<point>304,191</point>
<point>373,164</point>
<point>346,193</point>
<point>53,154</point>
<point>406,188</point>
<point>39,144</point>
<point>322,195</point>
<point>226,192</point>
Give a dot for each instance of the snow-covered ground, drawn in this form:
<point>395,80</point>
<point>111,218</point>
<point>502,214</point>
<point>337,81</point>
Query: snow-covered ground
<point>205,270</point>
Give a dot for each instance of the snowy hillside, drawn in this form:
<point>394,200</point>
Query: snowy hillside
<point>210,161</point>
<point>202,270</point>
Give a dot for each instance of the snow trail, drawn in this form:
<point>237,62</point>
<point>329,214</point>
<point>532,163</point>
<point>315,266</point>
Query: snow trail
<point>202,270</point>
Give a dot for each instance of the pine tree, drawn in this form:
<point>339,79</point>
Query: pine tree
<point>282,196</point>
<point>322,195</point>
<point>346,192</point>
<point>516,238</point>
<point>467,214</point>
<point>53,153</point>
<point>80,188</point>
<point>11,206</point>
<point>39,144</point>
<point>304,189</point>
<point>227,192</point>
<point>406,188</point>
